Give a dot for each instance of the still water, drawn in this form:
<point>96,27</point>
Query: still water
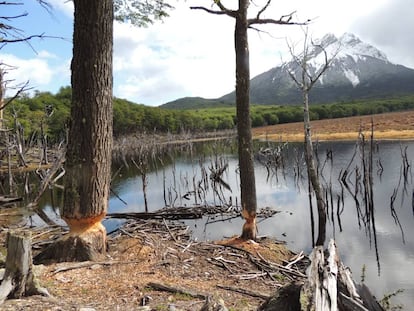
<point>380,239</point>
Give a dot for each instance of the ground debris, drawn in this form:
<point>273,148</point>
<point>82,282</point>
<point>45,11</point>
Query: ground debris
<point>144,252</point>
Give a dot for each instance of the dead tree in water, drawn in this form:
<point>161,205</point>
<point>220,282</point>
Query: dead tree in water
<point>305,80</point>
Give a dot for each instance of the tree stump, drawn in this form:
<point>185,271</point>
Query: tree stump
<point>19,280</point>
<point>329,287</point>
<point>82,243</point>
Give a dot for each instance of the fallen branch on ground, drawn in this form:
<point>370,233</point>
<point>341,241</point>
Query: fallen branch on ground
<point>243,291</point>
<point>176,290</point>
<point>86,264</point>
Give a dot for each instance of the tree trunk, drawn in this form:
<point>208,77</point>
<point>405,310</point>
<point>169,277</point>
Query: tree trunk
<point>88,157</point>
<point>245,144</point>
<point>312,173</point>
<point>19,279</point>
<point>329,287</point>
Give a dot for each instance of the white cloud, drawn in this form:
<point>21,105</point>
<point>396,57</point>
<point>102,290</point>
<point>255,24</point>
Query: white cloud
<point>180,57</point>
<point>46,54</point>
<point>65,6</point>
<point>37,71</point>
<point>391,29</point>
<point>192,53</point>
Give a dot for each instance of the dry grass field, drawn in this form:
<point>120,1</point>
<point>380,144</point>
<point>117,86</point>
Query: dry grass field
<point>394,125</point>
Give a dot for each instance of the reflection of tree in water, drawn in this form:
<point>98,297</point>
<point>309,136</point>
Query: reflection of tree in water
<point>406,178</point>
<point>356,181</point>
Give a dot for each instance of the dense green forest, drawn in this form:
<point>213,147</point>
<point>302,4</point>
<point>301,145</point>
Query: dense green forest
<point>49,113</point>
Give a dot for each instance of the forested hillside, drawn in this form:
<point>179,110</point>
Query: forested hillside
<point>49,113</point>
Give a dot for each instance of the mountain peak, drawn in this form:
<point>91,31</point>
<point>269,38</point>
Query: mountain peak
<point>352,45</point>
<point>357,70</point>
<point>345,46</point>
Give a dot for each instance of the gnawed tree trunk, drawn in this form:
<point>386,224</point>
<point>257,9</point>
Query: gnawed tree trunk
<point>19,280</point>
<point>88,157</point>
<point>245,143</point>
<point>329,287</point>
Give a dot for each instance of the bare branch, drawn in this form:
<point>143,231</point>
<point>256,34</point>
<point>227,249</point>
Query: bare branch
<point>223,10</point>
<point>208,10</point>
<point>10,3</point>
<point>263,9</point>
<point>8,18</point>
<point>252,21</point>
<point>293,77</point>
<point>22,39</point>
<point>21,90</point>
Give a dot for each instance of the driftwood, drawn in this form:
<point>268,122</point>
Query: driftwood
<point>19,280</point>
<point>329,287</point>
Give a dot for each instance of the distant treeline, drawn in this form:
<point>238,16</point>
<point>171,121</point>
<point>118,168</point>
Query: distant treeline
<point>49,113</point>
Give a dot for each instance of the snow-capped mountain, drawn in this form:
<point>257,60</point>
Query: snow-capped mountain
<point>357,70</point>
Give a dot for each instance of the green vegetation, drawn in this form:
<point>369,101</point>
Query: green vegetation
<point>50,113</point>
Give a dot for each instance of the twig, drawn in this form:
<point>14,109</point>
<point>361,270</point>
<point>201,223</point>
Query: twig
<point>250,276</point>
<point>278,267</point>
<point>176,290</point>
<point>87,264</point>
<point>169,231</point>
<point>297,258</point>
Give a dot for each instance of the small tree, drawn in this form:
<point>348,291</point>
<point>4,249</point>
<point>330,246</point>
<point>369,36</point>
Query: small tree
<point>305,80</point>
<point>245,143</point>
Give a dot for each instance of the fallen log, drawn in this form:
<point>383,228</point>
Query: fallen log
<point>157,215</point>
<point>19,280</point>
<point>185,212</point>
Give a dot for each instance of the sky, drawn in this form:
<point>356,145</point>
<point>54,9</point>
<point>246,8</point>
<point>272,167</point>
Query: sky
<point>191,53</point>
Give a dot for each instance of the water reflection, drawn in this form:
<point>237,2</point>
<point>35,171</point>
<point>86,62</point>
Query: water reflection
<point>368,234</point>
<point>371,220</point>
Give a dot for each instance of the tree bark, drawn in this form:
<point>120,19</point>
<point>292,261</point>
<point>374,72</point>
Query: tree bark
<point>312,173</point>
<point>19,279</point>
<point>245,143</point>
<point>88,157</point>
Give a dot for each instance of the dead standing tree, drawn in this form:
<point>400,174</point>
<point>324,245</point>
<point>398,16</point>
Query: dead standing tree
<point>245,143</point>
<point>305,79</point>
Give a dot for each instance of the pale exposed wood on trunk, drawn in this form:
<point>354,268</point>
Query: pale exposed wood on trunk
<point>19,280</point>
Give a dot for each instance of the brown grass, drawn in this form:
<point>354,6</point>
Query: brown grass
<point>394,125</point>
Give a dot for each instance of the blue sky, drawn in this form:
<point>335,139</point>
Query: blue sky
<point>191,53</point>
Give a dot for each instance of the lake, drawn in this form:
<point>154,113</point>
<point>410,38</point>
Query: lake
<point>377,237</point>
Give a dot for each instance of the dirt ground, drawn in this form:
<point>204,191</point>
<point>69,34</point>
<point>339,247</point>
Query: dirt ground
<point>146,252</point>
<point>395,125</point>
